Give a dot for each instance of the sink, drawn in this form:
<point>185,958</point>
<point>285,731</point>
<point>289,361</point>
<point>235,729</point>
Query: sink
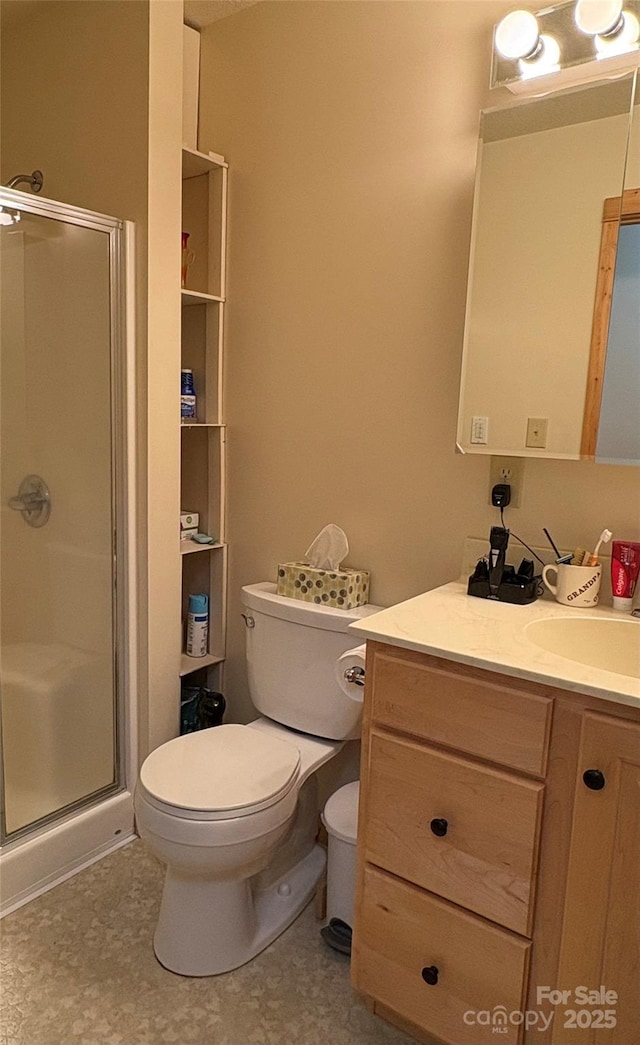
<point>598,642</point>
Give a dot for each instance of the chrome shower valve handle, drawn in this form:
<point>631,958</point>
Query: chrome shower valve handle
<point>33,500</point>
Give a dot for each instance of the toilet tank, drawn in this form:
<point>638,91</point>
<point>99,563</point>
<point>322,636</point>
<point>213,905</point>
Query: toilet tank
<point>292,648</point>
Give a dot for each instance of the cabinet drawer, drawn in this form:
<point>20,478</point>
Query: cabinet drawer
<point>464,831</point>
<point>400,931</point>
<point>412,693</point>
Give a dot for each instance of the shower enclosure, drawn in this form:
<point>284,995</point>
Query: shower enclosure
<point>66,574</point>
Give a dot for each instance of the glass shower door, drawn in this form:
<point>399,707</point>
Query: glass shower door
<point>58,611</point>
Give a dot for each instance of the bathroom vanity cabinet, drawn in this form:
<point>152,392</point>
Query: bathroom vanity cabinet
<point>203,450</point>
<point>489,864</point>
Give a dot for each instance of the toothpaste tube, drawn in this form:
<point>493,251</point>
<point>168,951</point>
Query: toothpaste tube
<point>625,567</point>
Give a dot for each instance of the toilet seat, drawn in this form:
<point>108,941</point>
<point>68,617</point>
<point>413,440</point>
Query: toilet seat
<point>220,774</point>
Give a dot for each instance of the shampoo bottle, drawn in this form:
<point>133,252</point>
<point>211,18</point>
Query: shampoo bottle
<point>188,411</point>
<point>197,625</point>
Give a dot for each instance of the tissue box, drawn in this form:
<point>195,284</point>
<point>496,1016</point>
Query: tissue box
<point>343,590</point>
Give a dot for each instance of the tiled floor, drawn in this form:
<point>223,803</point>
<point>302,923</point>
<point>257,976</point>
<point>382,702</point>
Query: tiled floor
<point>78,969</point>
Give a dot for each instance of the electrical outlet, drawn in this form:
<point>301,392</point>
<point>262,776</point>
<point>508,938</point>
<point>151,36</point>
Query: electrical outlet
<point>508,470</point>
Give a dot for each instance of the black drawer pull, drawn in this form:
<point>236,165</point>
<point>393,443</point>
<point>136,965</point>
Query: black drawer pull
<point>439,826</point>
<point>594,779</point>
<point>430,975</point>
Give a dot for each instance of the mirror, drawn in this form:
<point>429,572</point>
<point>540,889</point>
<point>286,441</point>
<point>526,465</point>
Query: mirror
<point>539,306</point>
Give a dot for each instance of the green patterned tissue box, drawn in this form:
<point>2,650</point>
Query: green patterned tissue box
<point>343,590</point>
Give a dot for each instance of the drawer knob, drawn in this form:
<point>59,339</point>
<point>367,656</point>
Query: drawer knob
<point>430,975</point>
<point>594,779</point>
<point>439,826</point>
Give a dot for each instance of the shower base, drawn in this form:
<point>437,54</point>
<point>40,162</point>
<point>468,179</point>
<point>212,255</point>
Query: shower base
<point>31,866</point>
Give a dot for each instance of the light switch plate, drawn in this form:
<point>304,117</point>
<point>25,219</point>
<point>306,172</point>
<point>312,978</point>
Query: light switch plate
<point>480,430</point>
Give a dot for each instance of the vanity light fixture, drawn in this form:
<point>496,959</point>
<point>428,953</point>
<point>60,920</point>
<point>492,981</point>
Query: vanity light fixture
<point>565,45</point>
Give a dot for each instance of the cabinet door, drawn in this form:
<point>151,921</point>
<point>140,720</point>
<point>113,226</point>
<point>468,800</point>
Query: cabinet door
<point>601,931</point>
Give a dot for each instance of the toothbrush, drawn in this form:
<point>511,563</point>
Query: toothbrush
<point>605,537</point>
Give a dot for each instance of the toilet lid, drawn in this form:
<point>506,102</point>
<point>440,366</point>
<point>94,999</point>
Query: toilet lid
<point>232,770</point>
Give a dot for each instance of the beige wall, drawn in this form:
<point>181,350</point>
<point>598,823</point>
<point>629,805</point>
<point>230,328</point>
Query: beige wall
<point>351,131</point>
<point>74,100</point>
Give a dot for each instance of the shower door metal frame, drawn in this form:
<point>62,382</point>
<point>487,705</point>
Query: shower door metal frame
<point>122,410</point>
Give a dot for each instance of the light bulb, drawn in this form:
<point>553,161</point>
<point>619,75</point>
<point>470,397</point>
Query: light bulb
<point>599,17</point>
<point>517,35</point>
<point>625,40</point>
<point>547,60</point>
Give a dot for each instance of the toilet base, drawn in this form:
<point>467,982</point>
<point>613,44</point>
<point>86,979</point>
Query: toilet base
<point>209,927</point>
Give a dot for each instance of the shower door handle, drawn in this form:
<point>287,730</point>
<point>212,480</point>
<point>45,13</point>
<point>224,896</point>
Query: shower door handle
<point>33,500</point>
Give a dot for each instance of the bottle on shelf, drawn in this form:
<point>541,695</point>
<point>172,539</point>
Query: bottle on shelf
<point>197,625</point>
<point>188,410</point>
<point>189,700</point>
<point>211,708</point>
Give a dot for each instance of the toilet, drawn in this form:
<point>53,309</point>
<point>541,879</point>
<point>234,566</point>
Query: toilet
<point>217,805</point>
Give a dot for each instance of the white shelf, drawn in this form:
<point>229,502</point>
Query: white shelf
<point>195,163</point>
<point>196,297</point>
<point>202,424</point>
<point>190,547</point>
<point>190,664</point>
<point>203,457</point>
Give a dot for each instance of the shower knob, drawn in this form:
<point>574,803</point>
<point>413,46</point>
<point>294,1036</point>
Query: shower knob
<point>33,500</point>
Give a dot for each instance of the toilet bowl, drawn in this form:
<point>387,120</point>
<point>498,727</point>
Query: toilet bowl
<point>215,805</point>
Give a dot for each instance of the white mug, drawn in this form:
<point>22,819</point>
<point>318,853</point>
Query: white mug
<point>575,585</point>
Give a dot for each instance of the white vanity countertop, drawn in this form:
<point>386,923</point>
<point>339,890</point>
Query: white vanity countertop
<point>446,622</point>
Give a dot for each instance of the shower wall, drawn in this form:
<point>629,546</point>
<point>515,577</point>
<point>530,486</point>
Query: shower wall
<point>56,601</point>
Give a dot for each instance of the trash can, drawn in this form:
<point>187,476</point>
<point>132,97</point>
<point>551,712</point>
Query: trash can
<point>340,817</point>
